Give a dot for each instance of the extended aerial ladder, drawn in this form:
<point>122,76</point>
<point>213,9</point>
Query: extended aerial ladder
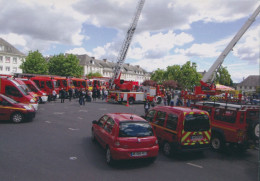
<point>123,52</point>
<point>211,74</point>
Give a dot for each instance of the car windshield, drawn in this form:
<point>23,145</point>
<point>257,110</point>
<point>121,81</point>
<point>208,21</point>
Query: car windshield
<point>135,129</point>
<point>196,122</point>
<point>9,99</point>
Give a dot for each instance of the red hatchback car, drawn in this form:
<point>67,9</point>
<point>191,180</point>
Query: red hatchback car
<point>125,136</point>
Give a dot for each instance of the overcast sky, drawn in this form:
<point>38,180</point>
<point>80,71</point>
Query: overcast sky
<point>169,32</point>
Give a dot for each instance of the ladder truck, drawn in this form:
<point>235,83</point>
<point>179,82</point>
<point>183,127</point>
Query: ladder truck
<point>115,82</point>
<point>121,91</point>
<point>207,82</point>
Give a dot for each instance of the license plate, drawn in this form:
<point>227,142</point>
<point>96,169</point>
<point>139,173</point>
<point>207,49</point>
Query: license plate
<point>136,154</point>
<point>196,138</point>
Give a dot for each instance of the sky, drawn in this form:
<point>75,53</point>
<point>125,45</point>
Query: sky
<point>169,32</point>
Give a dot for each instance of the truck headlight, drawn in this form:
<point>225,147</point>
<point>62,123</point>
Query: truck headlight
<point>44,94</point>
<point>28,107</point>
<point>32,101</point>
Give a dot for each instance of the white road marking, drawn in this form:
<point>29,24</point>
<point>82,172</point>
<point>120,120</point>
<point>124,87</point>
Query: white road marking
<point>194,165</point>
<point>73,158</point>
<point>58,113</point>
<point>102,109</point>
<point>73,129</point>
<point>47,122</point>
<point>83,110</point>
<point>80,118</point>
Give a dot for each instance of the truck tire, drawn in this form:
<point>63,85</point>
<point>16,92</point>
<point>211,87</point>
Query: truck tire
<point>256,130</point>
<point>217,142</point>
<point>167,149</point>
<point>17,117</point>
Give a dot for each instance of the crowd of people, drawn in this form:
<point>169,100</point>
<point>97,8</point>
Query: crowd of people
<point>82,95</point>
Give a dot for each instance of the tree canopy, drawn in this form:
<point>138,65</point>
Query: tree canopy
<point>65,65</point>
<point>223,77</point>
<point>35,64</point>
<point>184,77</point>
<point>95,74</point>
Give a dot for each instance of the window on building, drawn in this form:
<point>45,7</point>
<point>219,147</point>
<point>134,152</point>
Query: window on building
<point>7,59</point>
<point>245,87</point>
<point>2,48</point>
<point>250,87</point>
<point>1,68</point>
<point>7,69</point>
<point>240,87</point>
<point>1,59</point>
<point>14,60</point>
<point>14,69</point>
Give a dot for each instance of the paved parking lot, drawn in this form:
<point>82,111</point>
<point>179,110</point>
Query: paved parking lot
<point>56,146</point>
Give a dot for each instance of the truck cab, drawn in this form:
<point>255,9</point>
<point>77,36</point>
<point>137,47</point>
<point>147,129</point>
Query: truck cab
<point>14,90</point>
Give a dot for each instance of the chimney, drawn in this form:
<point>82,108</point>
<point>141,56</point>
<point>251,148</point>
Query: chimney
<point>138,66</point>
<point>105,60</point>
<point>93,57</point>
<point>128,64</point>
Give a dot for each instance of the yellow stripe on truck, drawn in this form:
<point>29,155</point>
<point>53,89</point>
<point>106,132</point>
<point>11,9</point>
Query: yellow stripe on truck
<point>5,107</point>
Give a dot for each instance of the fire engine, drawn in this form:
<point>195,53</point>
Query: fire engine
<point>232,124</point>
<point>210,88</point>
<point>124,91</point>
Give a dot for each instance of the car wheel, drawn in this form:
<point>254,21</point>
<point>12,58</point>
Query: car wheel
<point>109,158</point>
<point>217,143</point>
<point>167,149</point>
<point>131,100</point>
<point>93,135</point>
<point>17,117</point>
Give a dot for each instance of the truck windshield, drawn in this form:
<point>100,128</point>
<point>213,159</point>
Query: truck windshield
<point>135,129</point>
<point>32,87</point>
<point>65,83</point>
<point>55,84</point>
<point>21,89</point>
<point>196,122</point>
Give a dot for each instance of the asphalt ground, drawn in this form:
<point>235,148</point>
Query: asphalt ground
<point>57,146</point>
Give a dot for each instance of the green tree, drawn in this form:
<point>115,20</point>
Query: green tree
<point>91,75</point>
<point>223,77</point>
<point>189,77</point>
<point>173,73</point>
<point>158,76</point>
<point>35,64</point>
<point>65,65</point>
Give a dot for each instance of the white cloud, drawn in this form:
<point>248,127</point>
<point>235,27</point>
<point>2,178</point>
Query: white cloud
<point>14,39</point>
<point>78,51</point>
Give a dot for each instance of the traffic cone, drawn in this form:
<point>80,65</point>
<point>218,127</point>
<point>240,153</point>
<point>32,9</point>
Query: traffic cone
<point>127,103</point>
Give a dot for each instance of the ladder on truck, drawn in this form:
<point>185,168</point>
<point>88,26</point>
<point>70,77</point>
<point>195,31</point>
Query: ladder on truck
<point>126,44</point>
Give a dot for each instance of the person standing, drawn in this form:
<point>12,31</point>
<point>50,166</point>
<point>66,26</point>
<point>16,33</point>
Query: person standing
<point>70,94</point>
<point>94,94</point>
<point>81,98</point>
<point>62,95</point>
<point>146,106</point>
<point>54,95</point>
<point>169,97</point>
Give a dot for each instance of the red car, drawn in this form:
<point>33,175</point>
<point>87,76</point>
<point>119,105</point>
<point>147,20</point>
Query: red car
<point>125,136</point>
<point>14,111</point>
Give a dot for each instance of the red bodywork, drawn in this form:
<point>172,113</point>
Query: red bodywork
<point>80,83</point>
<point>65,83</point>
<point>180,127</point>
<point>106,132</point>
<point>8,107</point>
<point>47,84</point>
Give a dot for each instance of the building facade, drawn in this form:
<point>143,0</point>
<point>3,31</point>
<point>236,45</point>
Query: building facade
<point>250,84</point>
<point>10,58</point>
<point>106,69</point>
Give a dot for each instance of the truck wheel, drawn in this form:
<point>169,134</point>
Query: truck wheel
<point>159,100</point>
<point>167,149</point>
<point>256,130</point>
<point>17,117</point>
<point>217,142</point>
<point>131,100</point>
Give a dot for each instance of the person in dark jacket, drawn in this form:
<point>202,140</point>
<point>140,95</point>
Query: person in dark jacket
<point>62,95</point>
<point>70,93</point>
<point>81,97</point>
<point>146,106</point>
<point>169,97</point>
<point>94,94</point>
